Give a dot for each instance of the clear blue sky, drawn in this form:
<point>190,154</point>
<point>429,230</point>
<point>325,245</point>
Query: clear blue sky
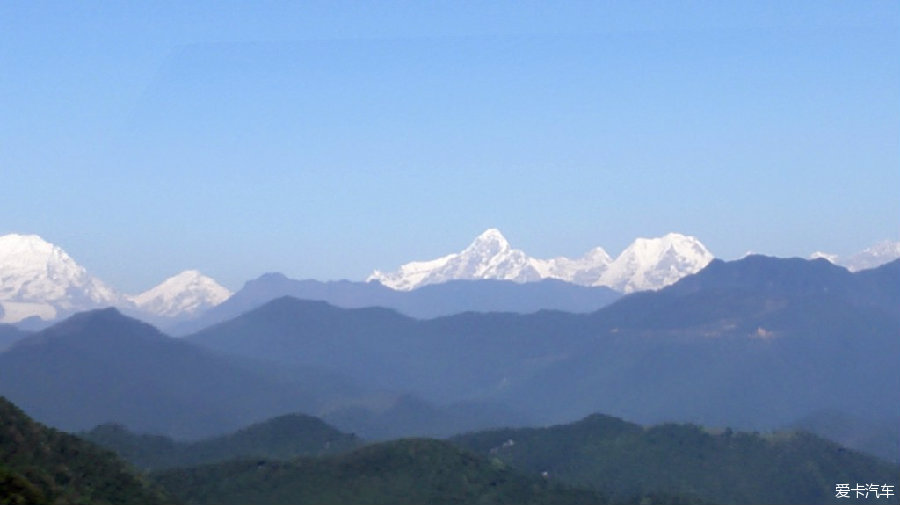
<point>326,139</point>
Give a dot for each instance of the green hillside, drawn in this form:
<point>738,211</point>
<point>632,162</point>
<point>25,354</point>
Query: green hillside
<point>622,459</point>
<point>281,438</point>
<point>413,471</point>
<point>39,465</point>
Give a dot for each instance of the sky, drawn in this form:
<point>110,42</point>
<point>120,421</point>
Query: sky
<point>328,139</point>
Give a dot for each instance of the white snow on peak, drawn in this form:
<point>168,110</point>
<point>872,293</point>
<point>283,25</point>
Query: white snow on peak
<point>489,256</point>
<point>652,263</point>
<point>39,278</point>
<point>871,257</point>
<point>875,256</point>
<point>184,294</point>
<point>646,264</point>
<point>832,258</point>
<point>584,270</point>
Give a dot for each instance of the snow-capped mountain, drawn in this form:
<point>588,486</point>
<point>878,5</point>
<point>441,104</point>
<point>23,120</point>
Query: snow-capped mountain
<point>185,294</point>
<point>488,257</point>
<point>645,264</point>
<point>38,278</point>
<point>651,263</point>
<point>877,255</point>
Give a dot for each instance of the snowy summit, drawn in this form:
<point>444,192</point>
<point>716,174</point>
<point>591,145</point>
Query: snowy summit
<point>185,294</point>
<point>38,278</point>
<point>877,255</point>
<point>645,264</point>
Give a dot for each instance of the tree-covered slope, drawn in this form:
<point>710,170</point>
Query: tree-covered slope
<point>39,465</point>
<point>282,438</point>
<point>412,471</point>
<point>622,459</point>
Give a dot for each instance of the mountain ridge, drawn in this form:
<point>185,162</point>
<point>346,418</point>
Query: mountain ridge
<point>645,264</point>
<point>39,279</point>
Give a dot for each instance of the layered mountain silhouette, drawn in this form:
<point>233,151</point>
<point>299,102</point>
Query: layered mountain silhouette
<point>746,343</point>
<point>757,343</point>
<point>451,297</point>
<point>101,366</point>
<point>601,459</point>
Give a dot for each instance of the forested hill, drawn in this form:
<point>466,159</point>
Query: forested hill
<point>622,459</point>
<point>39,465</point>
<point>412,471</point>
<point>282,438</point>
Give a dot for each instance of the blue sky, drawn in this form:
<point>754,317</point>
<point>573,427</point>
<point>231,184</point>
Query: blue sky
<point>327,139</point>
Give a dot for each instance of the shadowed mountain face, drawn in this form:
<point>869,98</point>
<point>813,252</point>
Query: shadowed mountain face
<point>448,359</point>
<point>453,297</point>
<point>39,465</point>
<point>622,459</point>
<point>878,436</point>
<point>756,343</point>
<point>100,366</point>
<point>10,334</point>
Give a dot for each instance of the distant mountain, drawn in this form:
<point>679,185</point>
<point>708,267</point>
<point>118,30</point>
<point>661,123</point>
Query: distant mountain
<point>38,278</point>
<point>185,294</point>
<point>39,465</point>
<point>398,472</point>
<point>451,297</point>
<point>880,437</point>
<point>444,360</point>
<point>622,460</point>
<point>645,264</point>
<point>100,366</point>
<point>871,257</point>
<point>282,438</point>
<point>754,344</point>
<point>649,264</point>
<point>40,283</point>
<point>385,417</point>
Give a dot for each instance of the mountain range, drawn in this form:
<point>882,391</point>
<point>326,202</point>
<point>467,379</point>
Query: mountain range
<point>754,343</point>
<point>757,343</point>
<point>618,461</point>
<point>871,257</point>
<point>40,283</point>
<point>433,300</point>
<point>645,264</point>
<point>101,366</point>
<point>297,459</point>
